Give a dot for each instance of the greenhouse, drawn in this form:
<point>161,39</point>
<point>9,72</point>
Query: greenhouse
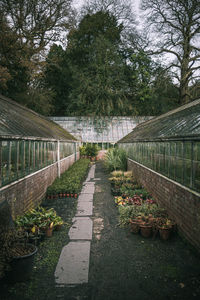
<point>29,142</point>
<point>169,144</point>
<point>104,131</point>
<point>31,146</point>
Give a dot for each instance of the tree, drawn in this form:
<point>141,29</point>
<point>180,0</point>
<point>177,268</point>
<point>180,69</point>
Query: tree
<point>57,79</point>
<point>122,10</point>
<point>36,22</point>
<point>97,65</point>
<point>27,28</point>
<point>164,93</point>
<point>177,23</point>
<point>14,72</point>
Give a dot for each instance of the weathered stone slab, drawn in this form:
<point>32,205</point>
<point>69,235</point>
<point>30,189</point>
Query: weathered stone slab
<point>91,183</point>
<point>73,264</point>
<point>81,229</point>
<point>88,189</point>
<point>84,209</point>
<point>85,197</point>
<point>91,173</point>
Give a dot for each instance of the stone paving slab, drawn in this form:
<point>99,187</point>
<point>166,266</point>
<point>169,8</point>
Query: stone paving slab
<point>88,189</point>
<point>91,173</point>
<point>81,229</point>
<point>84,209</point>
<point>89,183</point>
<point>85,197</point>
<point>73,264</point>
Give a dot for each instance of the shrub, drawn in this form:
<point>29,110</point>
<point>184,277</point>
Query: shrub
<point>91,150</point>
<point>82,150</point>
<point>116,159</point>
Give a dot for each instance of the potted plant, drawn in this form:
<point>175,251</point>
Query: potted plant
<point>145,227</point>
<point>165,229</point>
<point>134,225</point>
<point>58,222</point>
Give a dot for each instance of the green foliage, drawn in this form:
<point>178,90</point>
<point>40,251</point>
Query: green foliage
<point>57,79</point>
<point>37,218</point>
<point>115,159</point>
<point>98,68</point>
<point>82,150</point>
<point>14,68</point>
<point>71,180</point>
<point>91,150</point>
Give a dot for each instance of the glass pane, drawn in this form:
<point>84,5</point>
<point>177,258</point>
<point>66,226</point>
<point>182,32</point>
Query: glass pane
<point>5,162</point>
<point>172,160</point>
<point>187,163</point>
<point>21,162</point>
<point>179,162</point>
<point>13,161</point>
<point>196,166</point>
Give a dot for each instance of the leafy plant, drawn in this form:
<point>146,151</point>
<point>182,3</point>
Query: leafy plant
<point>82,150</point>
<point>71,180</point>
<point>91,150</point>
<point>116,159</point>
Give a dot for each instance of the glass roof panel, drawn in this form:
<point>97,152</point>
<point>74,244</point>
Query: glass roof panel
<point>183,122</point>
<point>19,121</point>
<point>99,129</point>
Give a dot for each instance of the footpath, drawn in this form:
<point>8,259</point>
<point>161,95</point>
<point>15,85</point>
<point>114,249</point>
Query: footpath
<point>118,265</point>
<point>73,264</point>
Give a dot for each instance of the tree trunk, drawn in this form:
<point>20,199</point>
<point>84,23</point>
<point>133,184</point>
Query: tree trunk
<point>185,75</point>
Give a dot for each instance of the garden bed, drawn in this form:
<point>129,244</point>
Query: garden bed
<point>137,208</point>
<point>70,182</point>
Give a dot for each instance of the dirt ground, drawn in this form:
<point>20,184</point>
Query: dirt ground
<point>123,266</point>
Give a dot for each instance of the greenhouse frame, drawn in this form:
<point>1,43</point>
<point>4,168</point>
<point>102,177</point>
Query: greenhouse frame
<point>103,131</point>
<point>31,144</point>
<point>164,156</point>
<point>169,144</point>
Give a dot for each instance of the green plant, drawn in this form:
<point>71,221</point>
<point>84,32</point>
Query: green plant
<point>82,150</point>
<point>91,150</point>
<point>37,219</point>
<point>125,214</point>
<point>71,180</point>
<point>116,159</point>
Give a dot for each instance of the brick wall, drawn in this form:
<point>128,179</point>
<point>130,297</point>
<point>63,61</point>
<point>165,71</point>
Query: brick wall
<point>30,190</point>
<point>181,203</point>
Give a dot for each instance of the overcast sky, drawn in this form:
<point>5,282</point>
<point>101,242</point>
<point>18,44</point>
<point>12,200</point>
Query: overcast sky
<point>78,3</point>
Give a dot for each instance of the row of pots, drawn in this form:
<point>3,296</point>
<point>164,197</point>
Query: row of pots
<point>150,229</point>
<point>61,195</point>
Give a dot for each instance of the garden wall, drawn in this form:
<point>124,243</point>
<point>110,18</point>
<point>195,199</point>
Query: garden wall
<point>181,203</point>
<point>28,192</point>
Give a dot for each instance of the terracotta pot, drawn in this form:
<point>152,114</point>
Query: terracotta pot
<point>165,233</point>
<point>134,227</point>
<point>49,232</point>
<point>145,230</point>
